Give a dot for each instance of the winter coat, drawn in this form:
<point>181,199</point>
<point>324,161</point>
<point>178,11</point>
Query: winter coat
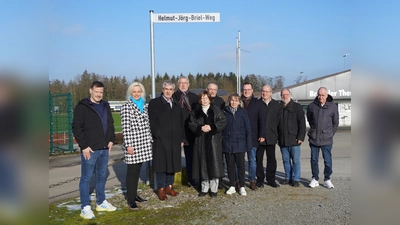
<point>236,137</point>
<point>166,126</point>
<point>189,136</point>
<point>323,120</point>
<point>88,129</point>
<point>207,150</point>
<point>256,112</point>
<point>292,124</point>
<point>272,117</point>
<point>136,133</point>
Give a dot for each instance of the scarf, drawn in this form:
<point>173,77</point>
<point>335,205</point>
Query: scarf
<point>246,101</point>
<point>232,110</point>
<point>184,100</point>
<point>139,103</point>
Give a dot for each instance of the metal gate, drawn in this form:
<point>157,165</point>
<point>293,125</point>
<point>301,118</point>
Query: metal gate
<point>60,136</point>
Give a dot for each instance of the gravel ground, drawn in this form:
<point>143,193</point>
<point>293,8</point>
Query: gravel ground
<point>283,205</point>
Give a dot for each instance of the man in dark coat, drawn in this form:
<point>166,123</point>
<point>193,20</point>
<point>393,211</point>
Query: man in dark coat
<point>272,109</point>
<point>93,128</point>
<point>323,117</point>
<point>212,89</point>
<point>291,133</point>
<point>255,111</point>
<point>187,101</point>
<point>167,130</point>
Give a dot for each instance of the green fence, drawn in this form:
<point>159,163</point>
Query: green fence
<point>60,136</point>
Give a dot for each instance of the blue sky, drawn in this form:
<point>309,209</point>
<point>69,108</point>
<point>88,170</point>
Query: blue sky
<point>112,38</point>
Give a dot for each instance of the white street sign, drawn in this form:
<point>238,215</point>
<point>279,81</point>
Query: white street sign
<point>185,17</point>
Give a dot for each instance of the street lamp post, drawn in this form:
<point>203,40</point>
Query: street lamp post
<point>344,60</point>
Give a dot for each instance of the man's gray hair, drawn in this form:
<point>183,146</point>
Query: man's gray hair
<point>183,77</point>
<point>212,82</point>
<point>168,82</point>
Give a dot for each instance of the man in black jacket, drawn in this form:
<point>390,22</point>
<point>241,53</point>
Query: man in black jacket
<point>291,133</point>
<point>167,129</point>
<point>187,102</point>
<point>272,109</point>
<point>212,89</point>
<point>93,128</point>
<point>255,111</point>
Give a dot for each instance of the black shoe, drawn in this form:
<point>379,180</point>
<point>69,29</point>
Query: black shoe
<point>273,184</point>
<point>202,194</point>
<point>296,184</point>
<point>213,194</point>
<point>220,185</point>
<point>260,184</point>
<point>133,205</point>
<point>286,182</point>
<point>140,200</point>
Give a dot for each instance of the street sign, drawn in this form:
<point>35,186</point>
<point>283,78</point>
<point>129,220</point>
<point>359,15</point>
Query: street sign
<point>185,17</point>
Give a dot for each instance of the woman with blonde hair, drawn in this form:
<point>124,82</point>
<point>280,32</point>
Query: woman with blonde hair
<point>137,139</point>
<point>236,140</point>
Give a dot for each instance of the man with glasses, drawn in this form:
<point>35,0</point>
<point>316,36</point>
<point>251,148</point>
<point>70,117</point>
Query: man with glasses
<point>256,113</point>
<point>187,101</point>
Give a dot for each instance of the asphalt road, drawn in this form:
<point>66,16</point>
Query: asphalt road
<point>67,168</point>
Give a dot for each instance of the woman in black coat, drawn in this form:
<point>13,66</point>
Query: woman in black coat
<point>206,122</point>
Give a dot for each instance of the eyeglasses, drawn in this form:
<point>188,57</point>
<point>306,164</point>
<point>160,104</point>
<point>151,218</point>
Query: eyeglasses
<point>266,91</point>
<point>247,89</point>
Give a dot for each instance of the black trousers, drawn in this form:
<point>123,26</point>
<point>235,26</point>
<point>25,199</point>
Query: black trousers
<point>132,180</point>
<point>188,150</point>
<point>238,160</point>
<point>271,163</point>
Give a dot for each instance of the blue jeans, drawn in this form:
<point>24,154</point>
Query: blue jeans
<point>327,155</point>
<point>291,162</point>
<point>251,159</point>
<point>97,163</point>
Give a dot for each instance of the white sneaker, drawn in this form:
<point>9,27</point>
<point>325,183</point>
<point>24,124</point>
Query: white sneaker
<point>87,213</point>
<point>242,191</point>
<point>105,206</point>
<point>328,184</point>
<point>314,183</point>
<point>231,190</point>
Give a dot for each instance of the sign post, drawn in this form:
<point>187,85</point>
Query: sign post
<point>175,18</point>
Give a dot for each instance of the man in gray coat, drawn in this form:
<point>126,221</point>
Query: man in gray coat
<point>323,117</point>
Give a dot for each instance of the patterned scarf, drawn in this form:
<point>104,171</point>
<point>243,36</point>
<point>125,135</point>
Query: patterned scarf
<point>184,101</point>
<point>139,103</point>
<point>232,110</point>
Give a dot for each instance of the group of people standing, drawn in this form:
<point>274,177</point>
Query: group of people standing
<point>209,131</point>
